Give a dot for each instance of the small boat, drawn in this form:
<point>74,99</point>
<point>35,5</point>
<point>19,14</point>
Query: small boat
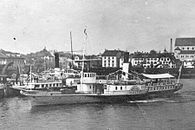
<point>36,82</point>
<point>2,91</point>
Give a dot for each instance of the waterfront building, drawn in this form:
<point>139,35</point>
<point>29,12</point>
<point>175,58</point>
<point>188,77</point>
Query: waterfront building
<point>65,60</point>
<point>185,51</point>
<point>90,61</point>
<point>16,58</point>
<point>153,60</point>
<point>114,58</point>
<point>41,60</point>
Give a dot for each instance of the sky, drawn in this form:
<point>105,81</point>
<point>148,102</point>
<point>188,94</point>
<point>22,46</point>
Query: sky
<point>131,25</point>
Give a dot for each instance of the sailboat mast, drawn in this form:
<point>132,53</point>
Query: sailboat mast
<point>71,48</point>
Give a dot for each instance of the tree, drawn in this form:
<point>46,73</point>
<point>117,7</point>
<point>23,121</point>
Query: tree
<point>153,52</point>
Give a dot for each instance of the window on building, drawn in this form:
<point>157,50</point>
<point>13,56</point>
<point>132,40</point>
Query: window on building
<point>182,48</point>
<point>192,48</point>
<point>187,48</point>
<point>115,88</point>
<point>121,88</point>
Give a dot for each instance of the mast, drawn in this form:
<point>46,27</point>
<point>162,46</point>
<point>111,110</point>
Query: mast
<point>71,48</point>
<point>83,55</point>
<point>179,74</point>
<point>30,74</point>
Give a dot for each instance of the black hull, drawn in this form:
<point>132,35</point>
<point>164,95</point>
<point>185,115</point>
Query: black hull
<point>12,92</point>
<point>1,93</point>
<point>160,94</point>
<point>119,98</point>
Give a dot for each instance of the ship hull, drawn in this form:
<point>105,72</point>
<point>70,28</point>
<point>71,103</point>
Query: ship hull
<point>58,98</point>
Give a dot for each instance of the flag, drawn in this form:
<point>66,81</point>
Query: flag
<point>85,31</point>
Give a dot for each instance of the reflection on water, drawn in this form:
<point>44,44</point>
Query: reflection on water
<point>176,112</point>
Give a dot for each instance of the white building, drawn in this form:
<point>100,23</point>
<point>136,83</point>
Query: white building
<point>114,58</point>
<point>185,51</point>
<point>158,60</point>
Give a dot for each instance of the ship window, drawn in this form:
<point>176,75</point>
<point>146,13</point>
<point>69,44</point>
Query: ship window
<point>121,88</point>
<point>89,87</point>
<point>36,85</point>
<point>116,88</point>
<point>56,85</point>
<point>42,85</point>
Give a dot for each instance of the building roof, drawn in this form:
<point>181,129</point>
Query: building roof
<point>113,53</point>
<point>2,55</point>
<point>177,48</point>
<point>187,52</point>
<point>10,55</point>
<point>145,55</point>
<point>185,42</point>
<point>157,55</point>
<point>41,53</point>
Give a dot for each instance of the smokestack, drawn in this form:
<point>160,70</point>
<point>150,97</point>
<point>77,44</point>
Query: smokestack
<point>171,45</point>
<point>56,60</point>
<point>126,57</point>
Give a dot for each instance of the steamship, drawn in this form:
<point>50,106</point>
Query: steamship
<point>119,87</point>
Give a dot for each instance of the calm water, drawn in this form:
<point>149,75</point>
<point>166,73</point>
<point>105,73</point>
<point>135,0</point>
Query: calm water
<point>175,113</point>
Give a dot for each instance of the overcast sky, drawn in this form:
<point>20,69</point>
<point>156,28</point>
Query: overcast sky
<point>30,25</point>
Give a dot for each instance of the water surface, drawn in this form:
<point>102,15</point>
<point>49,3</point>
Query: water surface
<point>173,113</point>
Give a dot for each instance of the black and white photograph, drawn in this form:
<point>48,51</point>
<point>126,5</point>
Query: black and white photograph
<point>97,65</point>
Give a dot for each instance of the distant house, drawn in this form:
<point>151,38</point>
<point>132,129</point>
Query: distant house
<point>7,57</point>
<point>185,51</point>
<point>65,60</point>
<point>114,58</point>
<point>41,60</point>
<point>155,60</point>
<point>90,61</point>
